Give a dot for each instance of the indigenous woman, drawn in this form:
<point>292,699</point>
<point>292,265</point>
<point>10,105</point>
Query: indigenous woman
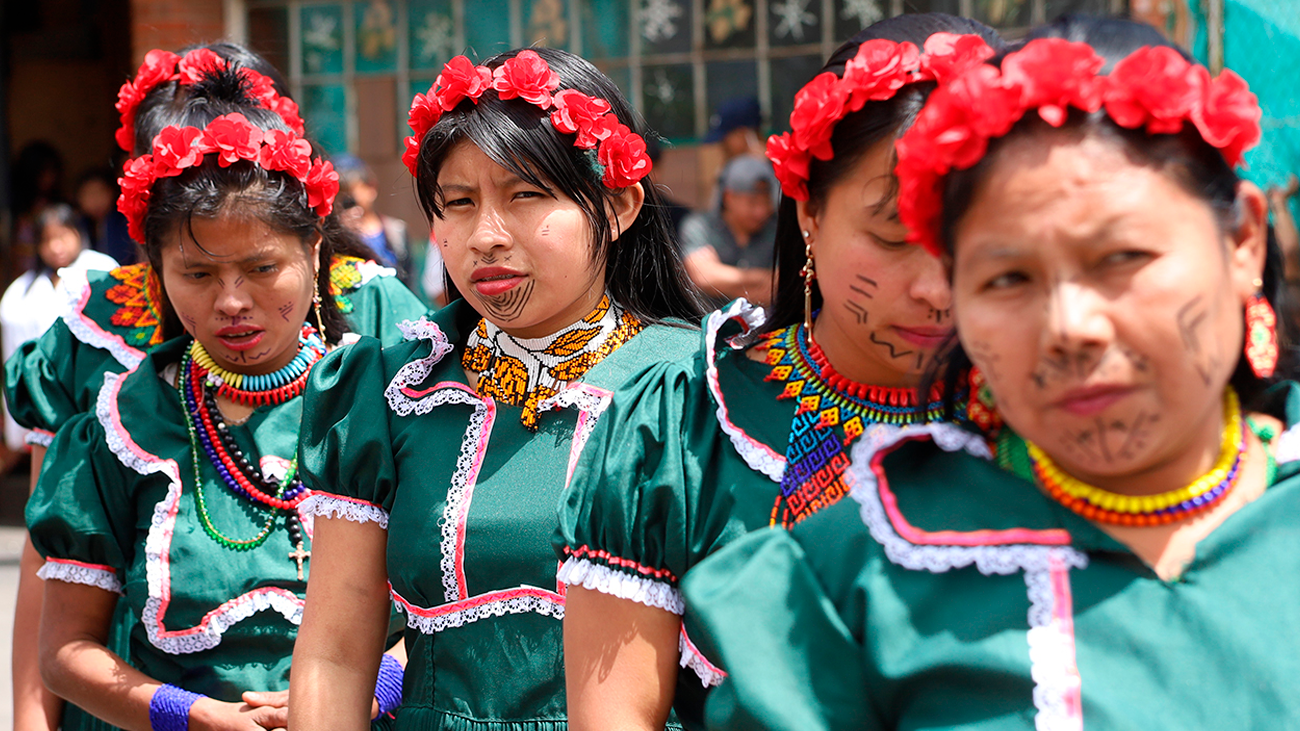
<point>114,319</point>
<point>754,427</point>
<point>180,491</point>
<point>447,455</point>
<point>1111,557</point>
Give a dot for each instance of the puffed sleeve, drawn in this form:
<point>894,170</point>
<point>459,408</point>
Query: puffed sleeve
<point>82,514</point>
<point>640,509</point>
<point>379,304</point>
<point>792,661</point>
<point>345,454</point>
<point>48,381</point>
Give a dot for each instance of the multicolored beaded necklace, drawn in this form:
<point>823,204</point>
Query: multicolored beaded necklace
<point>208,431</point>
<point>1112,508</point>
<point>817,456</point>
<point>267,388</point>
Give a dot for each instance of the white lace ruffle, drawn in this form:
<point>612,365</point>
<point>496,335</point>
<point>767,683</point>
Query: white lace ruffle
<point>758,456</point>
<point>640,589</point>
<point>591,402</point>
<point>369,269</point>
<point>710,675</point>
<point>79,573</point>
<point>324,505</point>
<point>524,600</point>
<point>39,438</point>
<point>77,291</point>
<point>207,634</point>
<point>459,493</point>
<point>416,371</point>
<point>1287,448</point>
<point>1052,663</point>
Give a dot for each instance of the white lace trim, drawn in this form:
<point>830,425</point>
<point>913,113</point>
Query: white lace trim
<point>75,572</point>
<point>207,633</point>
<point>642,590</point>
<point>591,402</point>
<point>369,269</point>
<point>1051,638</point>
<point>1287,448</point>
<point>39,438</point>
<point>324,505</point>
<point>414,373</point>
<point>710,675</point>
<point>520,600</point>
<point>87,330</point>
<point>758,456</point>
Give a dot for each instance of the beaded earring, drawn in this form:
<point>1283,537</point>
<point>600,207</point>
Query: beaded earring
<point>315,304</point>
<point>1261,334</point>
<point>982,408</point>
<point>809,274</point>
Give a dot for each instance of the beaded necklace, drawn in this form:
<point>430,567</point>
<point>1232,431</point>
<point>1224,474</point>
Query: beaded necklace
<point>524,372</point>
<point>817,455</point>
<point>1111,508</point>
<point>267,388</point>
<point>208,432</point>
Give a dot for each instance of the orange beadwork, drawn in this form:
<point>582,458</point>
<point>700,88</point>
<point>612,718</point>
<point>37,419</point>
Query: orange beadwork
<point>138,294</point>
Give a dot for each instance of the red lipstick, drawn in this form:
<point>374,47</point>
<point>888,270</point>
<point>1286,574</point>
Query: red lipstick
<point>493,281</point>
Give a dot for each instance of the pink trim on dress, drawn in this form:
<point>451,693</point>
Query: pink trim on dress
<point>583,552</point>
<point>82,564</point>
<point>89,332</point>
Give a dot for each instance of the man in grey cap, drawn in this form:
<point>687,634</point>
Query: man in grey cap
<point>729,250</point>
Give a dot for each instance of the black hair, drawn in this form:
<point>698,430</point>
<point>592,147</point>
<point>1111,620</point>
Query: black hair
<point>56,214</point>
<point>643,269</point>
<point>1198,167</point>
<point>274,198</point>
<point>853,137</point>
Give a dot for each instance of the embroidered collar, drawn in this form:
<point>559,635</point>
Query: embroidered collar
<point>524,372</point>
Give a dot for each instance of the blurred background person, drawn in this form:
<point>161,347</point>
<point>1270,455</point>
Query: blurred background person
<point>728,250</point>
<point>36,181</point>
<point>105,226</point>
<point>385,235</point>
<point>32,303</point>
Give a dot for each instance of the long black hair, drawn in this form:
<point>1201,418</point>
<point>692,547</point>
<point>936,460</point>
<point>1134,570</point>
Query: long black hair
<point>275,198</point>
<point>1198,167</point>
<point>854,135</point>
<point>643,270</point>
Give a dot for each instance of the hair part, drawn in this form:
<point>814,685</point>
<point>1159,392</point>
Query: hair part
<point>643,268</point>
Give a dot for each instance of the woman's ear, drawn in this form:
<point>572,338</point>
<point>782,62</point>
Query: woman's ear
<point>807,216</point>
<point>624,207</point>
<point>1248,240</point>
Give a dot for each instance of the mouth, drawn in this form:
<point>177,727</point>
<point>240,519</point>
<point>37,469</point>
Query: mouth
<point>494,281</point>
<point>1092,400</point>
<point>240,337</point>
<point>923,337</point>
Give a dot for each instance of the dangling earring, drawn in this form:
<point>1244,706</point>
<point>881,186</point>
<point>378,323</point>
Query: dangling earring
<point>981,407</point>
<point>315,303</point>
<point>809,274</point>
<point>1261,334</point>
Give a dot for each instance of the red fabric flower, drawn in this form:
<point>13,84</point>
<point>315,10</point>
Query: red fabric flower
<point>461,79</point>
<point>948,55</point>
<point>1229,117</point>
<point>1153,86</point>
<point>285,151</point>
<point>288,111</point>
<point>790,164</point>
<point>879,69</point>
<point>425,112</point>
<point>1054,74</point>
<point>198,64</point>
<point>233,138</point>
<point>174,149</point>
<point>135,183</point>
<point>261,88</point>
<point>817,107</point>
<point>624,157</point>
<point>159,66</point>
<point>322,185</point>
<point>587,116</point>
<point>526,76</point>
<point>411,156</point>
<point>128,100</point>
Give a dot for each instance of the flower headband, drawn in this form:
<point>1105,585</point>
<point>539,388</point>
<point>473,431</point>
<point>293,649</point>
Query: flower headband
<point>878,70</point>
<point>618,149</point>
<point>1153,88</point>
<point>232,138</point>
<point>160,67</point>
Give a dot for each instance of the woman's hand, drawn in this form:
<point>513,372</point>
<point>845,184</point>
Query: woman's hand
<point>258,711</point>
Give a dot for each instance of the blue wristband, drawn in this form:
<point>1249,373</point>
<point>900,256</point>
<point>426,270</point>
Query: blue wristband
<point>169,709</point>
<point>388,686</point>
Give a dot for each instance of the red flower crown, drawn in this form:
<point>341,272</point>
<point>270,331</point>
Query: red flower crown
<point>880,68</point>
<point>232,138</point>
<point>618,149</point>
<point>1154,87</point>
<point>160,67</point>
